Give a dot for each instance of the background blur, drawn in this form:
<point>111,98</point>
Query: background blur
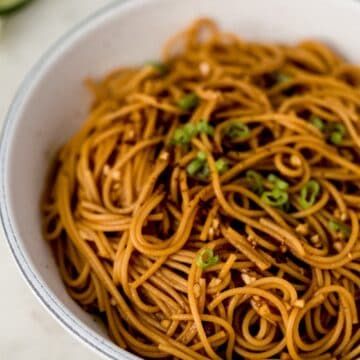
<point>27,331</point>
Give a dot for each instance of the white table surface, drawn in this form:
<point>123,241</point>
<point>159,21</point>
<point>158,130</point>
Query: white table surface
<point>27,331</point>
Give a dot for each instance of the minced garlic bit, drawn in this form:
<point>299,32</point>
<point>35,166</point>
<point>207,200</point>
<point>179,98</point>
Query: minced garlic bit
<point>299,303</point>
<point>215,223</point>
<point>164,156</point>
<point>204,68</point>
<point>106,169</point>
<point>211,233</point>
<point>247,278</point>
<point>115,175</point>
<point>165,323</point>
<point>113,302</point>
<point>315,239</point>
<point>302,229</point>
<point>343,216</point>
<point>214,282</point>
<point>197,290</point>
<point>295,160</point>
<point>338,246</point>
<point>129,135</point>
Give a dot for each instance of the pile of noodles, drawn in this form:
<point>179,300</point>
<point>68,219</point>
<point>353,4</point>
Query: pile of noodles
<point>209,206</point>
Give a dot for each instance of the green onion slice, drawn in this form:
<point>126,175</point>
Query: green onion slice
<point>256,181</point>
<point>206,258</point>
<point>222,165</point>
<point>188,102</point>
<point>337,133</point>
<point>278,183</point>
<point>308,194</point>
<point>203,127</point>
<point>237,129</point>
<point>160,67</point>
<point>282,78</point>
<point>275,197</point>
<point>339,227</point>
<point>317,122</point>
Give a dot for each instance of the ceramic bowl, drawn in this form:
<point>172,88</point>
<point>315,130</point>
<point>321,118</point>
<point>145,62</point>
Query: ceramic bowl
<point>52,102</point>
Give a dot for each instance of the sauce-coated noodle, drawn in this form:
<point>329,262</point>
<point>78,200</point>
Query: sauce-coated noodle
<point>209,206</point>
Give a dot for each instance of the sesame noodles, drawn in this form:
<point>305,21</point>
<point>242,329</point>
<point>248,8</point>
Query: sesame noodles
<point>208,208</point>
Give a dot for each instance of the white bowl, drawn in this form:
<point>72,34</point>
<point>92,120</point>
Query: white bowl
<point>52,103</point>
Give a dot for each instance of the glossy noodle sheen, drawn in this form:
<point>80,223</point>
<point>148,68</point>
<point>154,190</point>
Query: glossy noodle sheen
<point>208,208</point>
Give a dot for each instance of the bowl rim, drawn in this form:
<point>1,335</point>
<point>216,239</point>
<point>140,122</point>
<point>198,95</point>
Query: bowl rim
<point>52,304</point>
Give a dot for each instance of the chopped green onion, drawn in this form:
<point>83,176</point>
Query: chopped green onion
<point>237,129</point>
<point>201,155</point>
<point>204,172</point>
<point>339,227</point>
<point>9,6</point>
<point>282,78</point>
<point>317,122</point>
<point>222,165</point>
<point>256,181</point>
<point>188,102</point>
<point>206,258</point>
<point>194,167</point>
<point>198,167</point>
<point>308,194</point>
<point>160,67</point>
<point>278,183</point>
<point>179,137</point>
<point>183,136</point>
<point>336,138</point>
<point>203,127</point>
<point>275,197</point>
<point>337,132</point>
<point>190,130</point>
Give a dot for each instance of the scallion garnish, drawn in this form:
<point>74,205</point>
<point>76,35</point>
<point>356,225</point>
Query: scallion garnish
<point>198,167</point>
<point>190,130</point>
<point>237,129</point>
<point>277,182</point>
<point>183,135</point>
<point>160,67</point>
<point>206,258</point>
<point>308,194</point>
<point>275,197</point>
<point>317,122</point>
<point>188,102</point>
<point>201,155</point>
<point>282,78</point>
<point>256,181</point>
<point>339,227</point>
<point>337,132</point>
<point>194,167</point>
<point>222,165</point>
<point>203,127</point>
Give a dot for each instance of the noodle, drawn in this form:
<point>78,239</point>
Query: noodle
<point>208,208</point>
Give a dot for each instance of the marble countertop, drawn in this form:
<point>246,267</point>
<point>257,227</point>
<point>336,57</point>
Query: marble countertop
<point>27,331</point>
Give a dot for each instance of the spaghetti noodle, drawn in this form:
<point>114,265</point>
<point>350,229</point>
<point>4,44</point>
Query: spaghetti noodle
<point>209,206</point>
